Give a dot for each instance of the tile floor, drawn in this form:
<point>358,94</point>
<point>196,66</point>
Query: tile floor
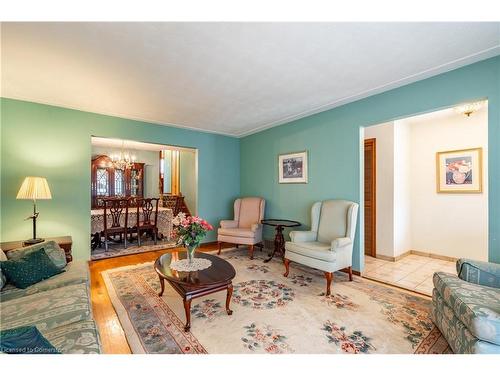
<point>413,272</point>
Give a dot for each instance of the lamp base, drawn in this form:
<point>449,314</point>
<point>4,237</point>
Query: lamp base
<point>33,241</point>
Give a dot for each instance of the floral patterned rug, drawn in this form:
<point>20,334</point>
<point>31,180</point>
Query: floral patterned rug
<point>118,250</point>
<point>273,314</point>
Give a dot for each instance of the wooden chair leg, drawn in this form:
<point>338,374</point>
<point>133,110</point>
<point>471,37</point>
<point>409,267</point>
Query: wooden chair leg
<point>138,237</point>
<point>329,277</point>
<point>287,267</point>
<point>350,273</point>
<point>237,246</point>
<point>155,237</point>
<point>219,243</point>
<point>251,251</point>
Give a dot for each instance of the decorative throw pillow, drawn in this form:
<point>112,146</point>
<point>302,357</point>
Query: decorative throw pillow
<point>3,280</point>
<point>55,253</point>
<point>25,340</point>
<point>29,269</point>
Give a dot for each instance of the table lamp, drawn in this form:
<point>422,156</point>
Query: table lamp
<point>34,188</point>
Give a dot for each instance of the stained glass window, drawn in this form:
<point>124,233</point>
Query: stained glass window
<point>119,182</point>
<point>102,181</point>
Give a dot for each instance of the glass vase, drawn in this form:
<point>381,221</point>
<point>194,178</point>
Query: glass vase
<point>190,250</point>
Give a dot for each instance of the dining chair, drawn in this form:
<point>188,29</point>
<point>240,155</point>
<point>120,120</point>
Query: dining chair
<point>148,208</point>
<point>114,211</point>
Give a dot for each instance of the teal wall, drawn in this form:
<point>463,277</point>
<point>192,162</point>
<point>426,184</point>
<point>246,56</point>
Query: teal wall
<point>55,143</point>
<point>332,139</point>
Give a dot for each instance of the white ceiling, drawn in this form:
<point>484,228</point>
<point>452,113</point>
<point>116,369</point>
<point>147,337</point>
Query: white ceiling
<point>229,78</point>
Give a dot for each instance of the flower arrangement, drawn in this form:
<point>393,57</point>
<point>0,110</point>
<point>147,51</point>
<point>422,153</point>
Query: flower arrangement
<point>189,231</point>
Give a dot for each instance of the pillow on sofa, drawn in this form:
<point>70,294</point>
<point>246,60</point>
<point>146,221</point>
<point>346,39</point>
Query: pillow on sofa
<point>30,269</point>
<point>55,253</point>
<point>3,280</point>
<point>25,340</point>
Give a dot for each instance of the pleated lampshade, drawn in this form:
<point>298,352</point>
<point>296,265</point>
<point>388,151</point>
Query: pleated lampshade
<point>34,188</point>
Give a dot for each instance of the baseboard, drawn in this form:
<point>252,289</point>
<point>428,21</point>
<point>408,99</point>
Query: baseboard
<point>432,255</point>
<point>393,259</point>
<point>415,252</point>
<point>208,244</point>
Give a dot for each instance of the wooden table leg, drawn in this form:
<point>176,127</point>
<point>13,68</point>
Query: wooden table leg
<point>279,244</point>
<point>187,310</point>
<point>162,284</point>
<point>95,241</point>
<point>228,299</point>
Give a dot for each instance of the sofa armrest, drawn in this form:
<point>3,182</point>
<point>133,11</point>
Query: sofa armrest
<point>303,236</point>
<point>339,243</point>
<point>481,273</point>
<point>228,224</point>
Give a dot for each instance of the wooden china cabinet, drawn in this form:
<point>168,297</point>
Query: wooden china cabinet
<point>109,182</point>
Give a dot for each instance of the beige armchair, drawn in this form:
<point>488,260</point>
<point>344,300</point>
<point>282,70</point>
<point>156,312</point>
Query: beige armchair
<point>328,245</point>
<point>245,228</point>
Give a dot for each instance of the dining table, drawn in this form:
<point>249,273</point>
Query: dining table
<point>164,222</point>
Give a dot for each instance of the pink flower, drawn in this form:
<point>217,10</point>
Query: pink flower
<point>206,225</point>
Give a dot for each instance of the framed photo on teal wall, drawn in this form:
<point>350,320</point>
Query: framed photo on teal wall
<point>292,168</point>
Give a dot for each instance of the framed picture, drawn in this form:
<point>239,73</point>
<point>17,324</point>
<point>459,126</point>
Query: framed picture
<point>459,171</point>
<point>292,168</point>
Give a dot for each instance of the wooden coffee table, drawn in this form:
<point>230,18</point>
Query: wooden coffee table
<point>195,284</point>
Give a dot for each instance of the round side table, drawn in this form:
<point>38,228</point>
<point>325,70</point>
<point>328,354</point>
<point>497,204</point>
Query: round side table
<point>279,240</point>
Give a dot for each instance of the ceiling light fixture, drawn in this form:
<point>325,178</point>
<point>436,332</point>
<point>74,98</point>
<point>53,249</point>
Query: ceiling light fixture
<point>124,160</point>
<point>469,108</point>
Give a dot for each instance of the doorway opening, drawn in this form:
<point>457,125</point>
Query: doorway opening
<point>425,196</point>
<point>136,190</point>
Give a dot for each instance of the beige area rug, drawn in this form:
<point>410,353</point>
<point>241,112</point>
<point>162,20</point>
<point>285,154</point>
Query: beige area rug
<point>117,250</point>
<point>273,314</point>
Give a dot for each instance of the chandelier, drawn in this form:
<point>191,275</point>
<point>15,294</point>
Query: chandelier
<point>124,160</point>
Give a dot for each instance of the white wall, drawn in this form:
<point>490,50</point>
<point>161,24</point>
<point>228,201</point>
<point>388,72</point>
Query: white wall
<point>384,135</point>
<point>402,187</point>
<point>411,215</point>
<point>454,225</point>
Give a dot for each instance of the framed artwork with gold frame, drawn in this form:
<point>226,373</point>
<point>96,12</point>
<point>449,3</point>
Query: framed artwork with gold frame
<point>459,171</point>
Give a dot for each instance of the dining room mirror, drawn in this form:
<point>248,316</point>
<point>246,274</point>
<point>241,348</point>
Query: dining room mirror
<point>136,190</point>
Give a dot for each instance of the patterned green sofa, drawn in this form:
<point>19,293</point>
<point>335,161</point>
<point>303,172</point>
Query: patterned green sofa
<point>59,307</point>
<point>466,309</point>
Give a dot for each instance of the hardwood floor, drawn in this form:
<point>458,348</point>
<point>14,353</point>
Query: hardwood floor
<point>112,336</point>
